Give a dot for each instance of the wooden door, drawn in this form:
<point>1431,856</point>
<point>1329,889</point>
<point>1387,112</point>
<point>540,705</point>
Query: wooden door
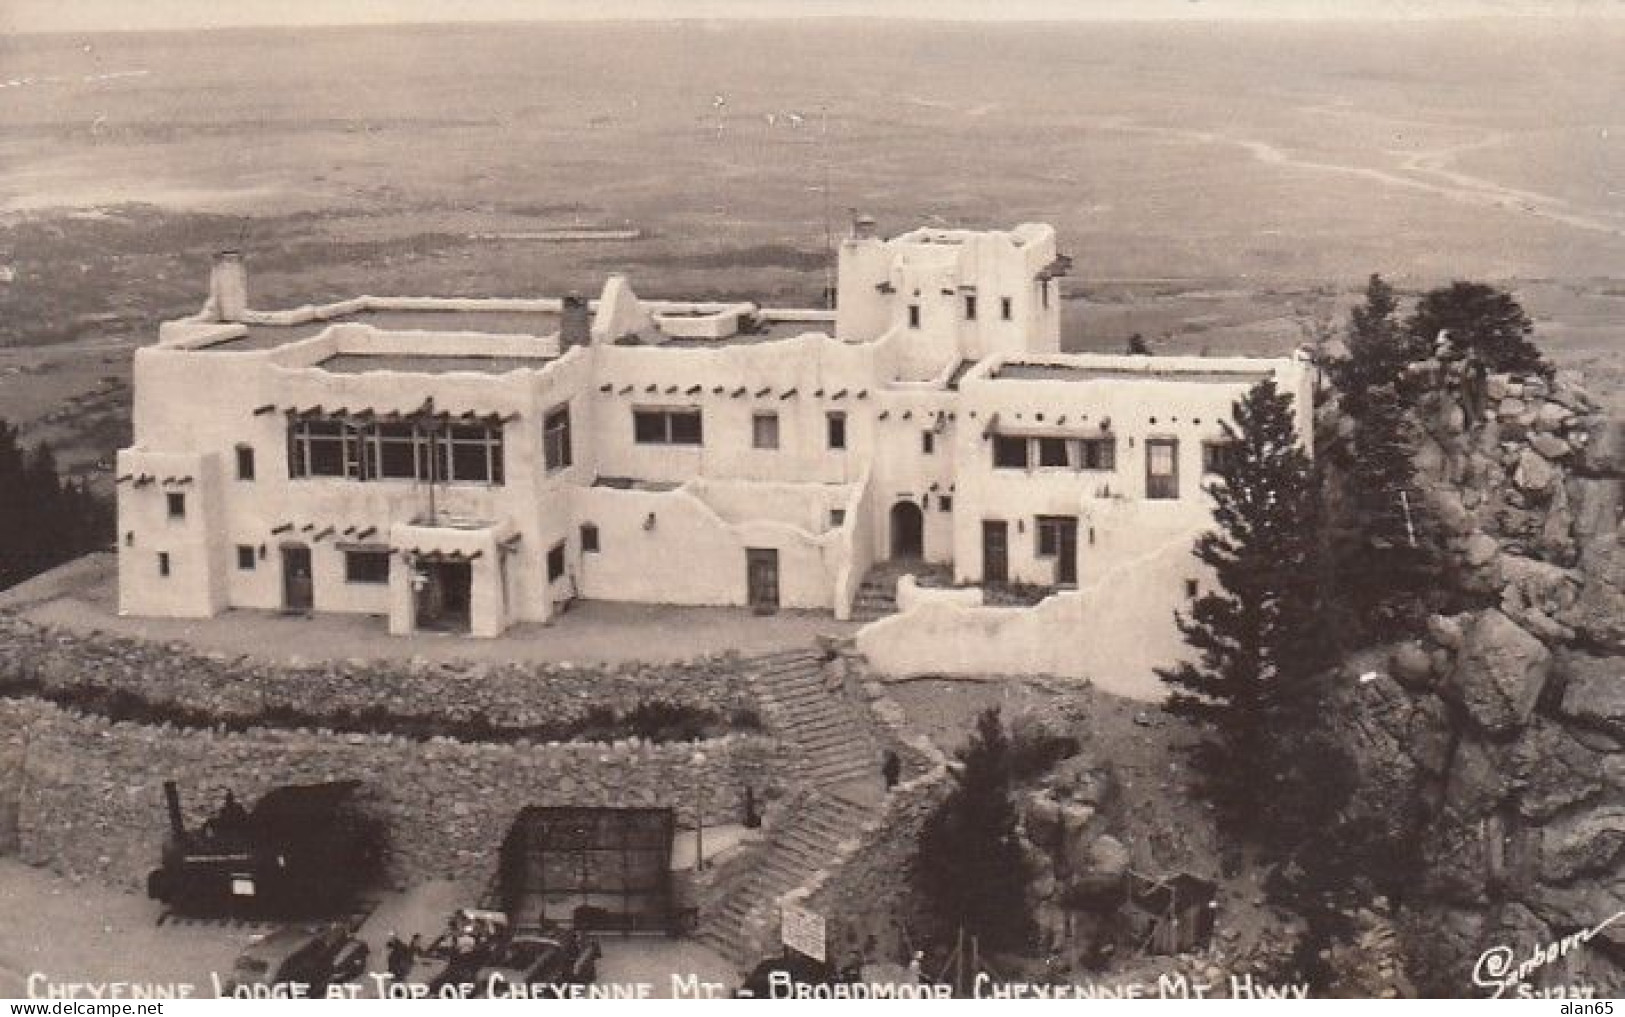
<point>298,588</point>
<point>995,551</point>
<point>762,578</point>
<point>1066,553</point>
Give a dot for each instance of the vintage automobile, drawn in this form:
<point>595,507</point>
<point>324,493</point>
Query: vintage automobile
<point>302,960</point>
<point>539,961</point>
<point>457,954</point>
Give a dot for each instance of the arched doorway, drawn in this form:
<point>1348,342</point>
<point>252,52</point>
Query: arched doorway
<point>907,530</point>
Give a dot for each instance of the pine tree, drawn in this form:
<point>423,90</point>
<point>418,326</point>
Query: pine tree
<point>1481,320</point>
<point>1378,348</point>
<point>1257,637</point>
<point>1387,566</point>
<point>970,868</point>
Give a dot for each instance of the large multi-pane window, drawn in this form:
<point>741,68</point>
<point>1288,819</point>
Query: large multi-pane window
<point>1018,452</point>
<point>456,453</point>
<point>667,427</point>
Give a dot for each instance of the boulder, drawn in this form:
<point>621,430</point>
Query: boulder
<point>1594,692</point>
<point>1552,771</point>
<point>1581,844</point>
<point>1550,445</point>
<point>1411,663</point>
<point>1481,549</point>
<point>1533,474</point>
<point>1499,672</point>
<point>1603,454</point>
<point>1551,416</point>
<point>1479,779</point>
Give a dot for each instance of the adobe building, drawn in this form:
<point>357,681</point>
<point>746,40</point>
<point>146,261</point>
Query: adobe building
<point>467,464</point>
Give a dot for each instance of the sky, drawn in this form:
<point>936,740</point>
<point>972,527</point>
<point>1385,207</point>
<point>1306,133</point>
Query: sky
<point>105,15</point>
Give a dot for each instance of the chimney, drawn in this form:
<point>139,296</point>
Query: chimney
<point>228,288</point>
<point>863,227</point>
<point>172,797</point>
<point>576,328</point>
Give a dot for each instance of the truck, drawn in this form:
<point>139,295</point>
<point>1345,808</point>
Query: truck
<point>302,851</point>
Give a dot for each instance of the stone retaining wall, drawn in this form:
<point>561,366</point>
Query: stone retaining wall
<point>89,795</point>
<point>448,697</point>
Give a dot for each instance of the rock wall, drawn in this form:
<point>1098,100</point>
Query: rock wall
<point>1496,743</point>
<point>89,800</point>
<point>544,701</point>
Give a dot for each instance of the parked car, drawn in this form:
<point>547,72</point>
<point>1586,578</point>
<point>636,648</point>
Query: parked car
<point>311,958</point>
<point>532,959</point>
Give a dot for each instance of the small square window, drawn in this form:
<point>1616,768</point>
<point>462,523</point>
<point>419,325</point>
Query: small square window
<point>1191,589</point>
<point>1009,452</point>
<point>837,517</point>
<point>245,557</point>
<point>555,562</point>
<point>177,504</point>
<point>764,430</point>
<point>945,503</point>
<point>163,563</point>
<point>245,462</point>
<point>928,442</point>
<point>589,538</point>
<point>1052,452</point>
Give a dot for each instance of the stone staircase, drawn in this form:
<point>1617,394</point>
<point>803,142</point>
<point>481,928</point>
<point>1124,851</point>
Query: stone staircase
<point>877,594</point>
<point>838,765</point>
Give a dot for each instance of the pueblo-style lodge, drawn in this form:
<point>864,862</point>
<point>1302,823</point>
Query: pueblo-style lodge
<point>466,464</point>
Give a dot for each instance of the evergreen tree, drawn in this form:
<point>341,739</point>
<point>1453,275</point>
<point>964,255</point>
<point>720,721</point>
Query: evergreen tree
<point>1481,320</point>
<point>1257,637</point>
<point>43,521</point>
<point>1137,346</point>
<point>1378,348</point>
<point>970,869</point>
<point>1387,566</point>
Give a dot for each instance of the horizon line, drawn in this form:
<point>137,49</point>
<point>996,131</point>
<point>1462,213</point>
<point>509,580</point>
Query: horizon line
<point>1616,13</point>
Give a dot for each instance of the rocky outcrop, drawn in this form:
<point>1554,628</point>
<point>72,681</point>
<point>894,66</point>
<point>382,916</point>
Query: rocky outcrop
<point>1496,742</point>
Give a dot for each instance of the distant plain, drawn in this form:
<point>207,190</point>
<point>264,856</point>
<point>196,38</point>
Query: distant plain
<point>1221,187</point>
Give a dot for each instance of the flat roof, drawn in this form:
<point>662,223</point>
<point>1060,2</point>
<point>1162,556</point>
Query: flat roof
<point>359,363</point>
<point>766,332</point>
<point>1083,372</point>
<point>269,337</point>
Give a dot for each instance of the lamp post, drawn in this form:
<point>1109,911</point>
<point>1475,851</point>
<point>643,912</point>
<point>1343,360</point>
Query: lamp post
<point>698,762</point>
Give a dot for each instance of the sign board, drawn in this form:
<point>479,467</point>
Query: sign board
<point>803,931</point>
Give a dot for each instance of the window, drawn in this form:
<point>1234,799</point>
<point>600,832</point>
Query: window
<point>245,557</point>
<point>1097,454</point>
<point>245,462</point>
<point>556,438</point>
<point>836,423</point>
<point>177,504</point>
<point>457,453</point>
<point>317,448</point>
<point>1006,308</point>
<point>667,427</point>
<point>398,452</point>
<point>1162,468</point>
<point>928,442</point>
<point>970,307</point>
<point>555,562</point>
<point>1218,456</point>
<point>913,315</point>
<point>1050,530</point>
<point>366,566</point>
<point>163,564</point>
<point>837,517</point>
<point>469,453</point>
<point>1043,292</point>
<point>764,430</point>
<point>1191,589</point>
<point>1052,452</point>
<point>589,538</point>
<point>945,503</point>
<point>1009,453</point>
